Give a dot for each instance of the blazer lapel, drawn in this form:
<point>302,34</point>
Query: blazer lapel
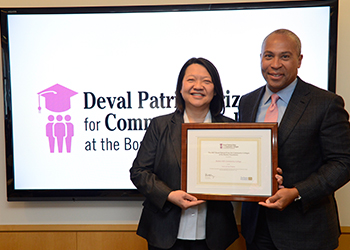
<point>256,104</point>
<point>295,109</point>
<point>175,134</point>
<point>248,109</point>
<point>175,127</point>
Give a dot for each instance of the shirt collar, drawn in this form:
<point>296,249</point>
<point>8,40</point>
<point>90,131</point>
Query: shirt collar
<point>284,94</point>
<point>207,118</point>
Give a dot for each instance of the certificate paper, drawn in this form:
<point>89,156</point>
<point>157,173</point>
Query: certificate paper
<point>229,161</point>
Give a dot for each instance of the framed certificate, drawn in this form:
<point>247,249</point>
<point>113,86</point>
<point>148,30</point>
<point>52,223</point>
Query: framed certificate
<point>229,161</point>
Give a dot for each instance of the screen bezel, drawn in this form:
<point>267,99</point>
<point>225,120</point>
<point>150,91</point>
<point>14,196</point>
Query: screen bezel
<point>126,194</point>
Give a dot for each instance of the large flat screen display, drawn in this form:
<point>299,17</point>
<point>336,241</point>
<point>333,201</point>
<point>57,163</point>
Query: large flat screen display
<point>82,84</point>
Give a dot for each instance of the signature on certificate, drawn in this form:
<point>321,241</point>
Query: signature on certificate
<point>209,176</point>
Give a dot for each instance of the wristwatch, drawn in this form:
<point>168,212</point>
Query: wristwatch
<point>298,198</point>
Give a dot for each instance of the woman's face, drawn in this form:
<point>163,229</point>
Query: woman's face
<point>197,88</point>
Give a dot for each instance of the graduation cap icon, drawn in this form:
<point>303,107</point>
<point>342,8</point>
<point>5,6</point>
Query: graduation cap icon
<point>57,98</point>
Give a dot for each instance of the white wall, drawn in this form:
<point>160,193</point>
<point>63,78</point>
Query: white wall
<point>128,212</point>
<point>343,89</point>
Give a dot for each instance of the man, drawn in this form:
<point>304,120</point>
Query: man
<point>313,152</point>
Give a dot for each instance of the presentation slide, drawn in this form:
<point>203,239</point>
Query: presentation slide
<point>84,87</point>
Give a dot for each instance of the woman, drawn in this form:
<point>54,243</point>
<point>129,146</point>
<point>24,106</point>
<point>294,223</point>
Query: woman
<point>171,218</point>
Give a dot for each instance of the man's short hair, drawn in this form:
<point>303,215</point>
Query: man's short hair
<point>288,33</point>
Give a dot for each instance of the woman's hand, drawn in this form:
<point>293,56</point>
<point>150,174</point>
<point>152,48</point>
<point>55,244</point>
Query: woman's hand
<point>183,199</point>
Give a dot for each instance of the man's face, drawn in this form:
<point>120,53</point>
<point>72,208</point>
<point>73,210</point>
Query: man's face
<point>280,61</point>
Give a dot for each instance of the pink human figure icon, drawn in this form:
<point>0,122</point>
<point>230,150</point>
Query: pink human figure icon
<point>59,132</point>
<point>70,133</point>
<point>49,133</point>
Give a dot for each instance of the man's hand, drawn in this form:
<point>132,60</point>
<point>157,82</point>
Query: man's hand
<point>281,199</point>
<point>183,199</point>
<point>279,178</point>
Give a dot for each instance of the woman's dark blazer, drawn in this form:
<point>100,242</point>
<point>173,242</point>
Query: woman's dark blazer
<point>156,171</point>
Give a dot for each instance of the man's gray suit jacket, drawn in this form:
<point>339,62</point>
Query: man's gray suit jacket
<point>314,154</point>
